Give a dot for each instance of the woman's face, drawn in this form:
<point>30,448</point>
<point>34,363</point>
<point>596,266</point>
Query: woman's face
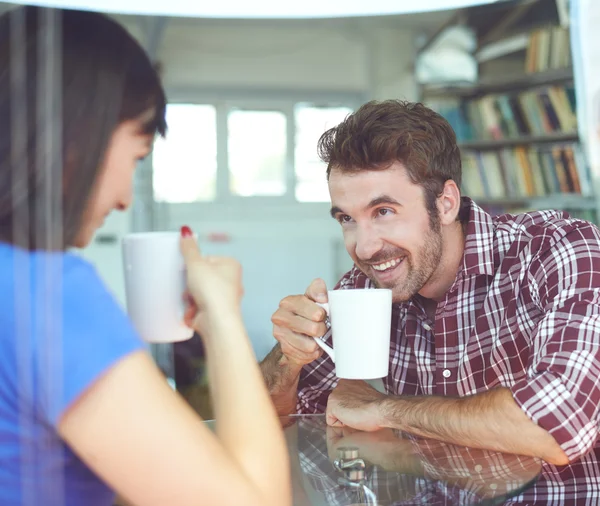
<point>114,189</point>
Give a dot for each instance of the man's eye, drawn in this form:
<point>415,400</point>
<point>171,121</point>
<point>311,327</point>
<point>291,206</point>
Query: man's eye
<point>344,218</point>
<point>385,211</point>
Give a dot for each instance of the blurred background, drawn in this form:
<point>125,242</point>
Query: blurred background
<point>249,98</point>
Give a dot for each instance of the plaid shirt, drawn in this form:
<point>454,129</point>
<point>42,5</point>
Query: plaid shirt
<point>523,313</point>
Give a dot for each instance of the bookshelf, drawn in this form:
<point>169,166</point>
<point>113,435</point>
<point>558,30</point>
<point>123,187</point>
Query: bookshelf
<point>550,138</point>
<point>567,200</point>
<point>517,125</point>
<point>500,84</point>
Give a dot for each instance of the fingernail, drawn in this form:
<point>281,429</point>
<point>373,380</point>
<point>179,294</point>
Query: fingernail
<point>186,231</point>
<point>321,297</point>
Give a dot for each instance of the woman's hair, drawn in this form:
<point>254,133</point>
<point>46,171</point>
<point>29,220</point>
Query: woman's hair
<point>67,80</point>
<point>381,133</point>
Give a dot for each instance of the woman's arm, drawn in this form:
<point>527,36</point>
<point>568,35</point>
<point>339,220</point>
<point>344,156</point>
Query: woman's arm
<point>152,448</point>
<point>148,444</point>
<point>247,424</point>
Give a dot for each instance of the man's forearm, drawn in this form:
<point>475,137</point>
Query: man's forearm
<point>281,377</point>
<point>490,420</point>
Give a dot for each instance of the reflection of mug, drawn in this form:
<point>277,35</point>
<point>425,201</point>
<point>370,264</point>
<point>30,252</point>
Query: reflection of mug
<point>360,324</point>
<point>154,286</point>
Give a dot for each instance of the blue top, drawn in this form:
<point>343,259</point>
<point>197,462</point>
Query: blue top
<point>60,330</point>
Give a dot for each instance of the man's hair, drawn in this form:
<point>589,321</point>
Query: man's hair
<point>68,79</point>
<point>381,133</point>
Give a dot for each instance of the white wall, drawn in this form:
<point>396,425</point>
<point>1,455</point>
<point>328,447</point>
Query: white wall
<point>369,56</point>
<point>105,252</point>
<point>273,57</point>
<point>391,68</point>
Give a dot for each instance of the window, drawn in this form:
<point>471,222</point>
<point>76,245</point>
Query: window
<point>311,122</point>
<point>243,148</point>
<point>257,147</point>
<point>185,163</point>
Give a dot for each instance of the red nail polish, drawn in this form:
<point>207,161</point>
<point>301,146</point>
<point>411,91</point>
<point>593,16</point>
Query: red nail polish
<point>186,231</point>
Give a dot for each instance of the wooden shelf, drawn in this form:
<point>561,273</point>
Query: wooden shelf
<point>502,84</point>
<point>492,144</point>
<point>558,201</point>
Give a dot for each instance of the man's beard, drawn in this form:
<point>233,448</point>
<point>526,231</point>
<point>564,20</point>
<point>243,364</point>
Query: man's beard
<point>429,255</point>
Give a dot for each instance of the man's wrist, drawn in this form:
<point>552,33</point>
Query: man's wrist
<point>280,373</point>
<point>388,409</point>
<point>290,365</point>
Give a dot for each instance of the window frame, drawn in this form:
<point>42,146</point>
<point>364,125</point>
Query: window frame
<point>256,100</point>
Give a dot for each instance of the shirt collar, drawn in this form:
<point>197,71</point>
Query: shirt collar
<point>478,255</point>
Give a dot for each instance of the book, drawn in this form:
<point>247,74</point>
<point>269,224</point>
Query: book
<point>526,171</point>
<point>548,48</point>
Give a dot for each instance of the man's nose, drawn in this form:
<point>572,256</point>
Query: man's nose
<point>368,243</point>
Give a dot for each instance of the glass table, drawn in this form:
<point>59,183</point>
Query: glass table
<point>333,466</point>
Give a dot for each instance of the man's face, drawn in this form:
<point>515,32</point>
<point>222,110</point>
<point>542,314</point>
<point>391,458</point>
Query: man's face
<point>387,229</point>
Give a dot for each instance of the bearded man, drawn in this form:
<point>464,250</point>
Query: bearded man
<point>495,338</point>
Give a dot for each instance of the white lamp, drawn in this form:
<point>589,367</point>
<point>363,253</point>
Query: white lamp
<point>259,8</point>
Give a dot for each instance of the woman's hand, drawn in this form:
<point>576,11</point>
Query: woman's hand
<point>214,285</point>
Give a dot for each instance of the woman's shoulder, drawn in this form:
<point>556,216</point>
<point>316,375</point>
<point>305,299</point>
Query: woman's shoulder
<point>60,268</point>
<point>67,284</point>
<point>64,319</point>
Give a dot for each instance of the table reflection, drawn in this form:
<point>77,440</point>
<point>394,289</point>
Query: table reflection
<point>334,466</point>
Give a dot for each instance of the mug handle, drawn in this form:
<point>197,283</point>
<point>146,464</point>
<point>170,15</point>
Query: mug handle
<point>319,340</point>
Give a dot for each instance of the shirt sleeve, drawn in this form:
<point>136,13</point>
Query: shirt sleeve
<point>561,392</point>
<point>73,351</point>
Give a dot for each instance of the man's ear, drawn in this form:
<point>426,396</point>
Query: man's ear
<point>448,203</point>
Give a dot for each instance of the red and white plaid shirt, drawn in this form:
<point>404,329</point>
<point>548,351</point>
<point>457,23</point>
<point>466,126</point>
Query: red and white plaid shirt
<point>523,313</point>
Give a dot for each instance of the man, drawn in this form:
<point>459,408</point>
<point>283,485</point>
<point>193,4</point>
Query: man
<point>496,320</point>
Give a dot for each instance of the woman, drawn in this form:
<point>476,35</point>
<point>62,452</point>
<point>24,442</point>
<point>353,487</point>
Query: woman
<point>83,409</point>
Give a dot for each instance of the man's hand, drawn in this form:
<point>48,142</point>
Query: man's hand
<point>356,404</point>
<point>298,320</point>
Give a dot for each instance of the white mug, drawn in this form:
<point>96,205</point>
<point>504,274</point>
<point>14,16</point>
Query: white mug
<point>154,286</point>
<point>361,322</point>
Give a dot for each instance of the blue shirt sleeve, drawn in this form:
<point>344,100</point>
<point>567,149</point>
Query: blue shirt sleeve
<point>93,334</point>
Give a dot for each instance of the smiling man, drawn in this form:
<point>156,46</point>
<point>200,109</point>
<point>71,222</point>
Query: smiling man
<point>496,320</point>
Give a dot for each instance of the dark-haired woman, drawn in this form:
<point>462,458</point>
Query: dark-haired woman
<point>83,409</point>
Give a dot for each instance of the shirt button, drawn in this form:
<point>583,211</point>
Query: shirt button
<point>478,468</point>
<point>426,327</point>
<point>446,373</point>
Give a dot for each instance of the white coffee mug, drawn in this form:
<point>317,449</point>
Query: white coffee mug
<point>361,322</point>
<point>154,286</point>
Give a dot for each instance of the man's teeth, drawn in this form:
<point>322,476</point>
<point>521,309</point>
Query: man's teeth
<point>387,265</point>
